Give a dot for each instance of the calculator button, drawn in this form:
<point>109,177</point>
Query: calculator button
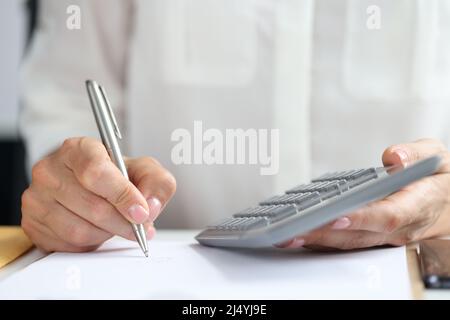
<point>242,224</point>
<point>254,223</point>
<point>229,224</point>
<point>308,200</point>
<point>270,200</point>
<point>363,177</point>
<point>273,200</point>
<point>281,212</point>
<point>325,177</point>
<point>274,212</point>
<point>372,172</point>
<point>254,211</point>
<point>321,187</point>
<point>346,175</point>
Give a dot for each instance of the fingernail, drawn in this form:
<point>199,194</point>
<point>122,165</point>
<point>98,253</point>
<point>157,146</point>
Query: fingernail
<point>402,155</point>
<point>341,223</point>
<point>284,244</point>
<point>154,208</point>
<point>138,214</point>
<point>297,243</point>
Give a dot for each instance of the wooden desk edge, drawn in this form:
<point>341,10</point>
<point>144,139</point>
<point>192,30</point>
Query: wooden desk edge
<point>417,287</point>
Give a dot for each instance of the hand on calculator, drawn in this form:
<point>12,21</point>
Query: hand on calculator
<point>420,210</point>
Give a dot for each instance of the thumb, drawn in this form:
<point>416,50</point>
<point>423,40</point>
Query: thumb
<point>408,153</point>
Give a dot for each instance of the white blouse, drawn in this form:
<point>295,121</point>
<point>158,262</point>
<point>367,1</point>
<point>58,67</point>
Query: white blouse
<point>309,81</point>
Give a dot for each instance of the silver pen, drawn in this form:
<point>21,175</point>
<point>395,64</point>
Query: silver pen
<point>110,133</point>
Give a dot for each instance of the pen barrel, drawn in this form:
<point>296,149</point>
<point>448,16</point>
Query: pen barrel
<point>115,155</point>
<point>106,126</point>
<point>109,133</point>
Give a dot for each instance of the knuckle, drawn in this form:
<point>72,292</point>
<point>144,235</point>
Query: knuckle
<point>98,210</point>
<point>95,155</point>
<point>33,234</point>
<point>394,219</point>
<point>92,170</point>
<point>94,160</point>
<point>91,147</point>
<point>359,221</point>
<point>70,143</point>
<point>393,222</point>
<point>31,206</point>
<point>123,196</point>
<point>411,236</point>
<point>39,172</point>
<point>170,182</point>
<point>406,237</point>
<point>150,161</point>
<point>26,200</point>
<point>27,226</point>
<point>42,174</point>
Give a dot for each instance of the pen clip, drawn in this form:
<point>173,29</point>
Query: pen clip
<point>111,113</point>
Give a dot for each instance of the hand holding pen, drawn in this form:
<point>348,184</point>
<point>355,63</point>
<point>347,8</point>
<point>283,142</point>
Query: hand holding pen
<point>79,198</point>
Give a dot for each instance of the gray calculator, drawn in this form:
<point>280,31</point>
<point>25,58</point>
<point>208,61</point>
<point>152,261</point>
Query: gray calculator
<point>309,206</point>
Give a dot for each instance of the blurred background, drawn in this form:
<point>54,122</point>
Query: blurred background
<point>16,24</point>
<point>405,68</point>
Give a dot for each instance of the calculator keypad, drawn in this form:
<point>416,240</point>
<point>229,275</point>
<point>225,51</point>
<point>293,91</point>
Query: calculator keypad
<point>296,200</point>
<point>242,224</point>
<point>272,212</point>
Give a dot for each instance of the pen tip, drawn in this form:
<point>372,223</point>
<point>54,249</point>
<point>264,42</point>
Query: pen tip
<point>146,253</point>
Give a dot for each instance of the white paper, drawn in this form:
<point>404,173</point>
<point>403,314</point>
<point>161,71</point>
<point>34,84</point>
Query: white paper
<point>183,269</point>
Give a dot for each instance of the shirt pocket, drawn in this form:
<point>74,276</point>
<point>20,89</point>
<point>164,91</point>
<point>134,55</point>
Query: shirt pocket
<point>209,43</point>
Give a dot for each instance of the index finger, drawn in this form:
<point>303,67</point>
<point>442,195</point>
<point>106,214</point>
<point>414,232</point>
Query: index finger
<point>408,153</point>
<point>93,168</point>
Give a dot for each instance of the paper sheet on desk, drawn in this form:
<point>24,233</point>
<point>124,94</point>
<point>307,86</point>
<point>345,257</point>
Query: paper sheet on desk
<point>186,270</point>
